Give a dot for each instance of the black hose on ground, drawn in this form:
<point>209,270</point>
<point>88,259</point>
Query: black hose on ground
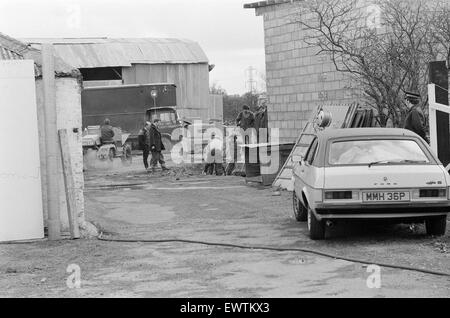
<point>277,249</point>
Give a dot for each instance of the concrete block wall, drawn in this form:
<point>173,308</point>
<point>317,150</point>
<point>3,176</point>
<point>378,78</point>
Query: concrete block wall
<point>298,80</point>
<point>68,106</point>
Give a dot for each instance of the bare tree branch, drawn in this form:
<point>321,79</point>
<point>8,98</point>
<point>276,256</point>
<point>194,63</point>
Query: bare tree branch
<point>384,60</point>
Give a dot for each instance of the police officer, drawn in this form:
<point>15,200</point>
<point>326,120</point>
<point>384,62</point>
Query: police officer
<point>415,120</point>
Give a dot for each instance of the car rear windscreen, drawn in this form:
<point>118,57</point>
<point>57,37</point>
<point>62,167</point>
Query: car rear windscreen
<point>376,151</point>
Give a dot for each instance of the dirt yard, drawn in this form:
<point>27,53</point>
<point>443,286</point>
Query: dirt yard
<point>182,204</point>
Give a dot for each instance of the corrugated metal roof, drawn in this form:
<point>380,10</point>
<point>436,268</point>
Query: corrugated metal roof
<point>6,54</point>
<point>12,49</point>
<point>260,4</point>
<point>106,52</point>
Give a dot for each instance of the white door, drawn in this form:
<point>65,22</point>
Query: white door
<point>21,214</point>
<point>305,172</point>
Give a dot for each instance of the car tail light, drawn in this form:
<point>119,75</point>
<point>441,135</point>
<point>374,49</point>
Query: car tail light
<point>433,193</point>
<point>338,195</point>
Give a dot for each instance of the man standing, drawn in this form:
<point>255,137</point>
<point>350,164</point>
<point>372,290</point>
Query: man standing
<point>107,133</point>
<point>144,142</point>
<point>156,146</point>
<point>415,119</point>
<point>245,119</point>
<point>261,119</point>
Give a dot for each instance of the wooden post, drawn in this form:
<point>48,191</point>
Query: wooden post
<point>69,184</point>
<point>51,138</point>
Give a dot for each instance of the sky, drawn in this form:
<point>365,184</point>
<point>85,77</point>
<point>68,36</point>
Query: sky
<point>232,37</point>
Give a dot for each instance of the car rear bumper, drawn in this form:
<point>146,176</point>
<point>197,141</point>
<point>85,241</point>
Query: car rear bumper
<point>403,210</point>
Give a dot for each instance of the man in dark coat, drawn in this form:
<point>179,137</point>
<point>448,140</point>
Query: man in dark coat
<point>415,120</point>
<point>107,132</point>
<point>245,119</point>
<point>144,142</point>
<point>156,146</point>
<point>261,120</point>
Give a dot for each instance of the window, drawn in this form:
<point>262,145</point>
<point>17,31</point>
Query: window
<point>303,145</point>
<point>166,117</point>
<point>311,152</point>
<point>371,151</point>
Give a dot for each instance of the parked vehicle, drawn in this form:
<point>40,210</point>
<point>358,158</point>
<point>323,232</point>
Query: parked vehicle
<point>125,105</point>
<point>370,173</point>
<point>108,151</point>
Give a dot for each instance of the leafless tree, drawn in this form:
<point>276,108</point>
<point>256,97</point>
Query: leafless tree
<point>216,89</point>
<point>441,29</point>
<point>383,45</point>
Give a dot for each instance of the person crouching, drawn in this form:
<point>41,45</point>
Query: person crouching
<point>213,154</point>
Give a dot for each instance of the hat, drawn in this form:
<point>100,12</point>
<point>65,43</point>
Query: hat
<point>412,97</point>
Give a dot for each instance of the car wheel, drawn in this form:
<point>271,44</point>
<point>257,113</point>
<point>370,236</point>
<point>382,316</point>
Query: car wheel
<point>316,228</point>
<point>300,212</point>
<point>436,225</point>
<point>127,157</point>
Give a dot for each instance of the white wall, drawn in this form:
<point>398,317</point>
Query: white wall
<point>68,107</point>
<point>21,213</point>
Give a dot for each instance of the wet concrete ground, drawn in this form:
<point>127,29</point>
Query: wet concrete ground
<point>129,203</point>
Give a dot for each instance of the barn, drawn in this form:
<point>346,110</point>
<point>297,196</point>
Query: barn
<point>117,61</point>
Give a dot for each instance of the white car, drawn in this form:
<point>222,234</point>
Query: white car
<point>370,173</point>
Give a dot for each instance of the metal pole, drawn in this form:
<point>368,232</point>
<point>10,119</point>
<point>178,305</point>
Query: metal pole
<point>51,135</point>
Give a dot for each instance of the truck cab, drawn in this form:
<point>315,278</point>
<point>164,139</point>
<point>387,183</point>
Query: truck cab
<point>170,120</point>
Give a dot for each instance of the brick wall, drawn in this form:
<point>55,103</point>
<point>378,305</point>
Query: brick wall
<point>298,79</point>
<point>68,107</point>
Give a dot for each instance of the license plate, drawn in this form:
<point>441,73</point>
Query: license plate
<point>386,196</point>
